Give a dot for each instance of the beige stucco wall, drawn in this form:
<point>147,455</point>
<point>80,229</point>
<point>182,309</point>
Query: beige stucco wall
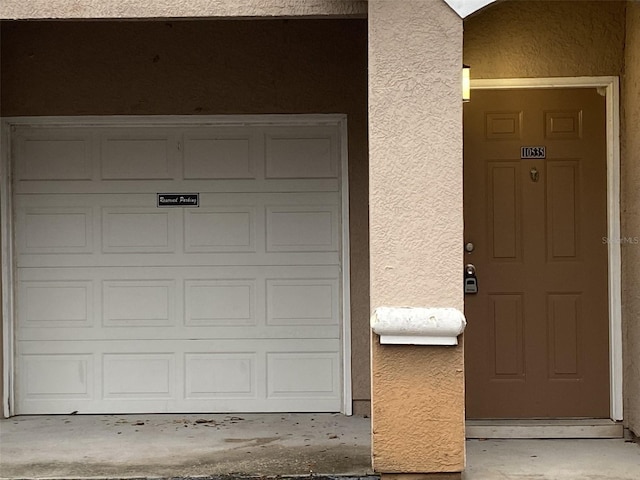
<point>415,205</point>
<point>21,9</point>
<point>631,219</point>
<point>545,39</point>
<point>207,67</point>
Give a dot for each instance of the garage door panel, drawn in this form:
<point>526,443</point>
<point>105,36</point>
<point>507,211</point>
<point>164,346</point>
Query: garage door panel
<point>145,157</point>
<point>220,229</point>
<point>301,302</point>
<point>180,376</point>
<point>222,405</point>
<point>298,228</point>
<point>302,153</point>
<point>149,303</point>
<point>234,305</point>
<point>138,230</point>
<point>51,304</point>
<point>221,375</point>
<point>115,160</point>
<point>303,374</point>
<point>139,375</point>
<point>306,301</point>
<point>226,223</point>
<point>55,230</point>
<point>57,376</point>
<point>53,154</point>
<point>219,156</point>
<point>220,302</point>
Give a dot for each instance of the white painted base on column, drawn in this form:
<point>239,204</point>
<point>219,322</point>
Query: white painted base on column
<point>418,326</point>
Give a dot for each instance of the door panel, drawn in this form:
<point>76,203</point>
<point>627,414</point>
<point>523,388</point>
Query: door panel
<point>537,337</point>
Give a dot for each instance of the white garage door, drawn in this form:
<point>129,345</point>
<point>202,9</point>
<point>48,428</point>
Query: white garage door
<point>125,306</point>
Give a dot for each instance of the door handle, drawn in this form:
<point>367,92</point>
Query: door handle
<point>470,279</point>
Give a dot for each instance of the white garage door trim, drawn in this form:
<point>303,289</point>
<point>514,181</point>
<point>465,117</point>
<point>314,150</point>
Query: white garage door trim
<point>7,220</point>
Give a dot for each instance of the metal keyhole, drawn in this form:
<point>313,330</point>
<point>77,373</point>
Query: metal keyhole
<point>535,175</point>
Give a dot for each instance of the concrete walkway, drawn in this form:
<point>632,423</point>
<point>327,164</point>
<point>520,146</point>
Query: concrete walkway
<point>606,459</point>
<point>173,446</point>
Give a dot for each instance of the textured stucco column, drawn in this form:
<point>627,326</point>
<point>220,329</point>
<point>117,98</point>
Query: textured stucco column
<point>631,220</point>
<point>416,217</point>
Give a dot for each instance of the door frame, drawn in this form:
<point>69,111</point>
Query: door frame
<point>7,218</point>
<point>608,86</point>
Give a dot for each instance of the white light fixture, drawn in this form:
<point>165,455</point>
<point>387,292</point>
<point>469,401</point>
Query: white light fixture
<point>466,83</point>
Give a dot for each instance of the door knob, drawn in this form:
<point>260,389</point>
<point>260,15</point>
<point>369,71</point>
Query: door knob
<point>470,279</point>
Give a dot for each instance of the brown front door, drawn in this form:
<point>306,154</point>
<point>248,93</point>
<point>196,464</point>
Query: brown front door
<point>537,342</point>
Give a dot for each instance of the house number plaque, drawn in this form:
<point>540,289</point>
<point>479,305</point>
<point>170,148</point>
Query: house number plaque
<point>528,153</point>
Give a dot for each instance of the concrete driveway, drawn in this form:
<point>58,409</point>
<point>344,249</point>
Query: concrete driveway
<point>125,446</point>
<point>174,446</point>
